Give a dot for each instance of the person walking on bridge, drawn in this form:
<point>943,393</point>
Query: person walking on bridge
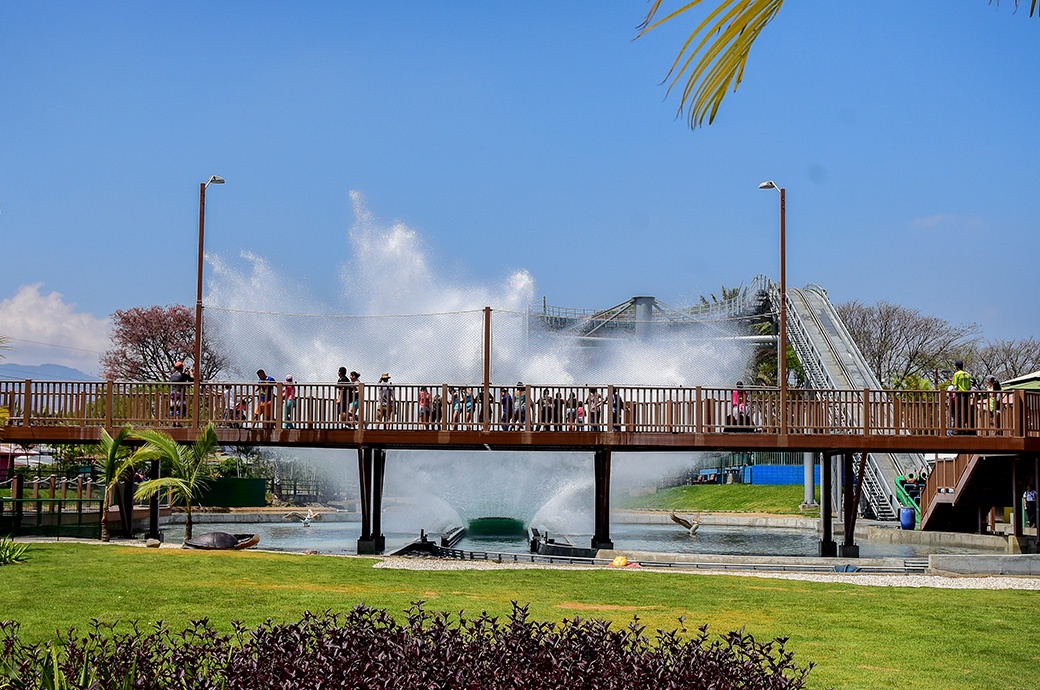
<point>386,400</point>
<point>963,411</point>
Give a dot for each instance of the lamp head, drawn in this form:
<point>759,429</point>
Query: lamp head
<point>215,179</point>
<point>768,184</point>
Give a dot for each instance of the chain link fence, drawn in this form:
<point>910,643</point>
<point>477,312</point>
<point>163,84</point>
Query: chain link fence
<point>449,347</point>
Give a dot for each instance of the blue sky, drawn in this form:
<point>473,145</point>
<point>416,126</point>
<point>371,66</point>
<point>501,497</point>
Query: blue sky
<point>527,136</point>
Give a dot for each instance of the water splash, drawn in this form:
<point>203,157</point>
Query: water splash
<point>399,313</point>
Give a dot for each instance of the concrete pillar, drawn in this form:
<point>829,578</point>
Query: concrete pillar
<point>809,479</point>
<point>644,315</point>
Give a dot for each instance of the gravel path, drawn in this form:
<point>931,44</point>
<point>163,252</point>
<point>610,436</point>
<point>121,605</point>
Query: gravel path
<point>862,579</point>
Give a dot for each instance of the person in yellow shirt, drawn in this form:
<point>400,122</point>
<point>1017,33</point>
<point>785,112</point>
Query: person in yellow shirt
<point>963,411</point>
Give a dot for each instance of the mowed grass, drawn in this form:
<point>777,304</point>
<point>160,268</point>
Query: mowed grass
<point>860,637</point>
<point>783,499</point>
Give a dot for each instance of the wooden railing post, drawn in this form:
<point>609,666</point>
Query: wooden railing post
<point>27,403</point>
<point>361,405</point>
<point>277,413</point>
<point>944,416</point>
<point>110,403</point>
<point>698,414</point>
<point>1018,406</point>
<point>866,412</point>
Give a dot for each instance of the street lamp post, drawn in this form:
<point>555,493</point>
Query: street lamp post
<point>782,356</point>
<point>214,179</point>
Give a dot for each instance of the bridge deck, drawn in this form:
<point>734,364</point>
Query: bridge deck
<point>557,417</point>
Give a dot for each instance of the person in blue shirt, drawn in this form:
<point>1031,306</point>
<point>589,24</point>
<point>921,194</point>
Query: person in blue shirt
<point>264,410</point>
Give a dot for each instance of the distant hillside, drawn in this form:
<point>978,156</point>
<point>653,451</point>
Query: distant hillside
<point>42,372</point>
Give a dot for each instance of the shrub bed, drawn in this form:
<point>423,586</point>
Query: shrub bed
<point>368,648</point>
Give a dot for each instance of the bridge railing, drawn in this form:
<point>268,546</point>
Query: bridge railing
<point>534,407</point>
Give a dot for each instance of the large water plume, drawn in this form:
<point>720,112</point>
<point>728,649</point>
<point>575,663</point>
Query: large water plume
<point>398,313</point>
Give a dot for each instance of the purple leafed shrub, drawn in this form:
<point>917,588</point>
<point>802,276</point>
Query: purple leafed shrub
<point>367,648</point>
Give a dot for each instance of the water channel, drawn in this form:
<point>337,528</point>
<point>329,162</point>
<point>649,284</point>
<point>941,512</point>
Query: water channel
<point>340,538</point>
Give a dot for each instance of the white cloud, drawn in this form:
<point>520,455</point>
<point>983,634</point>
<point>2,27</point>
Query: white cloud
<point>44,329</point>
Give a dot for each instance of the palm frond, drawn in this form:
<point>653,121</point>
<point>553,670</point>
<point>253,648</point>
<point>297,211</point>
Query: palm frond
<point>713,58</point>
<point>715,64</point>
<point>111,464</point>
<point>1034,6</point>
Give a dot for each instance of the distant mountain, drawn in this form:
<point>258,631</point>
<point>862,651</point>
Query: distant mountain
<point>42,372</point>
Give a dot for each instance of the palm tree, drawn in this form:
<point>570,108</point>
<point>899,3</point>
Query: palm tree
<point>727,294</point>
<point>714,65</point>
<point>113,465</point>
<point>187,467</point>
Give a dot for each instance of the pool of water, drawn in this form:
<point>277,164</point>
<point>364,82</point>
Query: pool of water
<point>341,538</point>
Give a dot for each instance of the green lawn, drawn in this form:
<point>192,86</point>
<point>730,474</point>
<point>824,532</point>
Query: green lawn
<point>860,637</point>
<point>714,498</point>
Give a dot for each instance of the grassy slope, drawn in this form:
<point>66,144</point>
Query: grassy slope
<point>860,637</point>
<point>740,498</point>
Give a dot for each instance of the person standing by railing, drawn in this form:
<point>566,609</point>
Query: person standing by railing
<point>617,407</point>
<point>594,409</point>
<point>178,400</point>
<point>963,412</point>
<point>520,404</point>
<point>353,397</point>
<point>505,402</point>
<point>288,402</point>
<point>993,400</point>
<point>264,410</point>
<point>740,405</point>
<point>342,395</point>
<point>385,410</point>
<point>424,407</point>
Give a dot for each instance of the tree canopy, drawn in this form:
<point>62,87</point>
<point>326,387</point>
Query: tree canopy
<point>148,341</point>
<point>901,345</point>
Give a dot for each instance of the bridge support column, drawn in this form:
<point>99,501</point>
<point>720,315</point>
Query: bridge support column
<point>809,479</point>
<point>848,548</point>
<point>827,545</point>
<point>601,537</point>
<point>371,469</point>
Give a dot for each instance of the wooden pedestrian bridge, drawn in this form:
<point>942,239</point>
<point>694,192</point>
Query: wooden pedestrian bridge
<point>1000,431</point>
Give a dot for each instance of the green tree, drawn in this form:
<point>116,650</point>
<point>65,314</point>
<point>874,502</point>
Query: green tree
<point>726,295</point>
<point>901,344</point>
<point>188,467</point>
<point>712,59</point>
<point>114,466</point>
